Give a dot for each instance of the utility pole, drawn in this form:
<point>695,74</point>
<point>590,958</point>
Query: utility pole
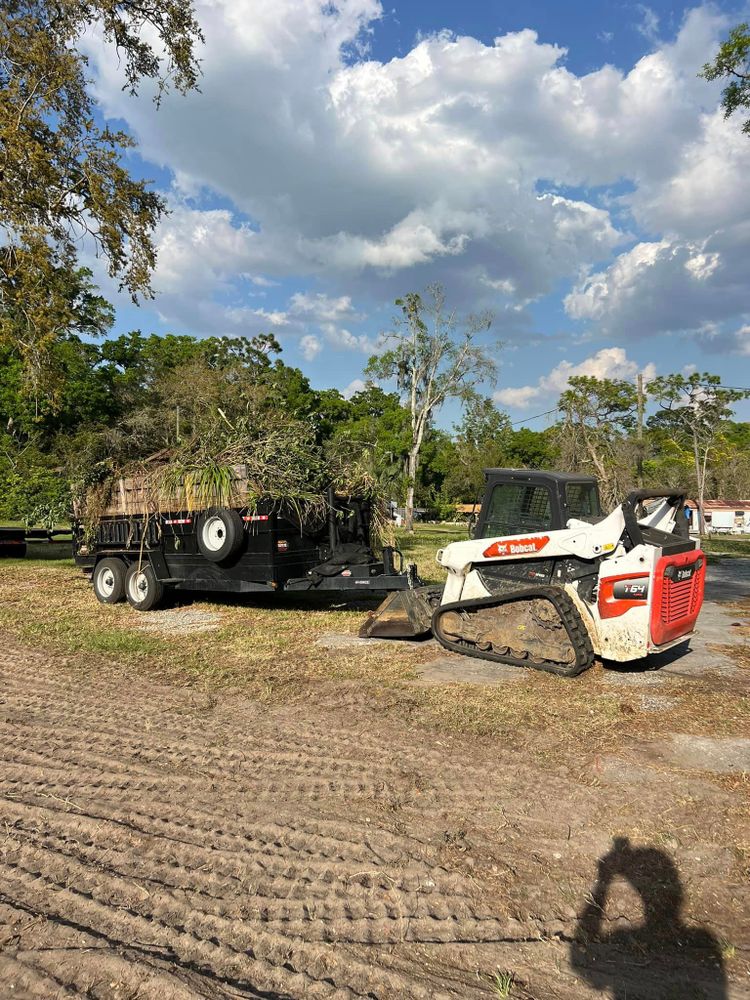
<point>639,432</point>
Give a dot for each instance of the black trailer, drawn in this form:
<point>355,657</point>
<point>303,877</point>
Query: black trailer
<point>270,548</point>
<point>13,542</point>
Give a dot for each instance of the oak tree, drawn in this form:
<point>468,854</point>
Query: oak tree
<point>64,181</point>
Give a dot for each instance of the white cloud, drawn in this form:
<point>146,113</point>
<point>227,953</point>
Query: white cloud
<point>669,286</point>
<point>648,26</point>
<point>446,163</point>
<point>355,386</point>
<point>610,362</point>
<point>714,339</point>
<point>321,308</point>
<point>310,347</point>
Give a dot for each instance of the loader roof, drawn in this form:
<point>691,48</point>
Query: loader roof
<point>539,475</point>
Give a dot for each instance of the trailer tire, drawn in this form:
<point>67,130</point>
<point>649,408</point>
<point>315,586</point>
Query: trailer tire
<point>142,590</point>
<point>109,581</point>
<point>220,533</point>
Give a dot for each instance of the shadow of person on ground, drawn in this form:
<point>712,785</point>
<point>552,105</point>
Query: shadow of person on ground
<point>663,958</point>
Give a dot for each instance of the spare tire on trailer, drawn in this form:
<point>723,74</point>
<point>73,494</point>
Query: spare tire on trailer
<point>220,533</point>
<point>108,579</point>
<point>142,590</point>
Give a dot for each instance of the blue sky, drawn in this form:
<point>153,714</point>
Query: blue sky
<point>560,164</point>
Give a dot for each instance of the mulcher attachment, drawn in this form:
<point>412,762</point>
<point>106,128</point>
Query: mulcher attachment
<point>537,627</point>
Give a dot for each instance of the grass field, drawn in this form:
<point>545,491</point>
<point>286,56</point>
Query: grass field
<point>727,545</point>
<point>422,546</point>
<point>270,648</point>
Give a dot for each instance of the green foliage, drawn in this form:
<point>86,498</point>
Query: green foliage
<point>528,449</point>
<point>64,176</point>
<point>206,403</point>
<point>481,441</point>
<point>732,63</point>
<point>375,424</point>
<point>34,495</point>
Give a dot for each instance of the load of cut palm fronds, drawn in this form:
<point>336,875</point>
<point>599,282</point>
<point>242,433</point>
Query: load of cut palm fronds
<point>285,465</point>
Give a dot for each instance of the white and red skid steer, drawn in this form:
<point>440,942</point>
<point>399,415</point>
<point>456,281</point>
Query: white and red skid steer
<point>548,582</point>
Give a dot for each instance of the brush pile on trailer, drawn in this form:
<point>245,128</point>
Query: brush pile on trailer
<point>265,513</point>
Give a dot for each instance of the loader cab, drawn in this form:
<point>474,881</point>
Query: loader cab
<point>520,501</point>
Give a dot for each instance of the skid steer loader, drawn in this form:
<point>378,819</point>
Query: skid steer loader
<point>547,582</point>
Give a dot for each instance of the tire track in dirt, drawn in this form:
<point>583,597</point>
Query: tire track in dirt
<point>388,921</point>
<point>213,895</point>
<point>359,745</point>
<point>282,774</point>
<point>170,863</point>
<point>111,748</point>
<point>260,958</point>
<point>154,838</point>
<point>78,719</point>
<point>25,979</point>
<point>245,867</point>
<point>178,834</point>
<point>159,817</point>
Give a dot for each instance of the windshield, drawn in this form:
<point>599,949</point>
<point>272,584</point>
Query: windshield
<point>516,508</point>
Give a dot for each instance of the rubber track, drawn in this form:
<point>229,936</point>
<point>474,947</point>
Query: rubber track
<point>569,616</point>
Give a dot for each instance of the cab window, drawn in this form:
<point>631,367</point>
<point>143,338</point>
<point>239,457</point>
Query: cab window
<point>517,508</point>
<point>582,500</point>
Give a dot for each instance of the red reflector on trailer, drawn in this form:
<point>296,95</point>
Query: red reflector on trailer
<point>178,520</point>
<point>256,517</point>
<point>282,545</point>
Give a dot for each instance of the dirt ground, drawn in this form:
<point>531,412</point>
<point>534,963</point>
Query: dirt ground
<point>163,841</point>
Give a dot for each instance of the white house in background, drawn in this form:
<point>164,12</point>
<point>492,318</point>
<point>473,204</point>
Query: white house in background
<point>731,517</point>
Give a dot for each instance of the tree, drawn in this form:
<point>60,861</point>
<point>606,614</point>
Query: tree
<point>377,426</point>
<point>693,409</point>
<point>433,357</point>
<point>62,175</point>
<point>41,304</point>
<point>481,441</point>
<point>732,62</point>
<point>597,413</point>
<point>528,449</point>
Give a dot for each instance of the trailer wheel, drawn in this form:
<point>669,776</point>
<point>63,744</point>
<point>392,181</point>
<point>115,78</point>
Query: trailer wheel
<point>109,581</point>
<point>142,590</point>
<point>220,533</point>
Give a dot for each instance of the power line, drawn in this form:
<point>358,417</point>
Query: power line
<point>528,420</point>
<point>557,409</point>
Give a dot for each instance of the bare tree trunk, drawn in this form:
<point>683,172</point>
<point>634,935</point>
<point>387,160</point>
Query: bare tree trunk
<point>411,477</point>
<point>700,480</point>
<point>641,402</point>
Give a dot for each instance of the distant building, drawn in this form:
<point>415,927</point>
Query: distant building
<point>468,508</point>
<point>723,516</point>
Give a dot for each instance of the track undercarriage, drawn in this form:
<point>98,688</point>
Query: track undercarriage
<point>536,627</point>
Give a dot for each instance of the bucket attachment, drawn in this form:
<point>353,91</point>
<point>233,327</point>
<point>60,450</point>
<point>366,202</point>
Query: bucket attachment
<point>404,614</point>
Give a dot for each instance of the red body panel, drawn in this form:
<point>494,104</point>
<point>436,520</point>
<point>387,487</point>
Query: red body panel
<point>612,606</point>
<point>677,595</point>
